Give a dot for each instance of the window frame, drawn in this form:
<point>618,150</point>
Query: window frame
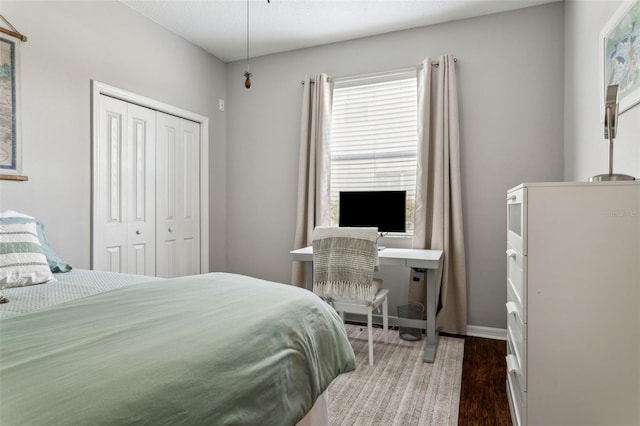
<point>370,80</point>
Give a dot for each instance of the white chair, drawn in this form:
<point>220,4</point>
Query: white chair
<point>344,260</point>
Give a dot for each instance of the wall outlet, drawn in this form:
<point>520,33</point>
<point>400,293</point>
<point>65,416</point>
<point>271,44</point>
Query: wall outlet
<point>221,104</point>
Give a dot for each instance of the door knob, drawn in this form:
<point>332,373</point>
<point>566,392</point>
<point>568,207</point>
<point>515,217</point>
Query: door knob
<point>170,229</point>
<point>138,232</point>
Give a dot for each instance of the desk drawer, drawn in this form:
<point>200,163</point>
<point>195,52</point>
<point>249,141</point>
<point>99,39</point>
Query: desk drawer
<point>392,261</point>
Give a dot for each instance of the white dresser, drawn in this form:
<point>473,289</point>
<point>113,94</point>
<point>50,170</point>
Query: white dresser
<point>573,303</point>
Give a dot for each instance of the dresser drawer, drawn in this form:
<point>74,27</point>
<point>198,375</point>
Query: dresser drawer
<point>515,397</point>
<point>516,346</point>
<point>516,221</point>
<point>515,379</point>
<point>519,309</point>
<point>516,265</point>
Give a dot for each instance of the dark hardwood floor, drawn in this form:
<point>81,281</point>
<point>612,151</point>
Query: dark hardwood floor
<point>483,396</point>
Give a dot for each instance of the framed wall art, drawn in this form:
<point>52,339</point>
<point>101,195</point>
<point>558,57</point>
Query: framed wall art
<point>620,53</point>
<point>10,135</point>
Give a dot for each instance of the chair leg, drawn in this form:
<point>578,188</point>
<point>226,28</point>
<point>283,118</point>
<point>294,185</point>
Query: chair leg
<point>385,320</point>
<point>370,333</point>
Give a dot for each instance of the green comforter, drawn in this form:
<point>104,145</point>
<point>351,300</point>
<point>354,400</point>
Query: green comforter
<point>213,349</point>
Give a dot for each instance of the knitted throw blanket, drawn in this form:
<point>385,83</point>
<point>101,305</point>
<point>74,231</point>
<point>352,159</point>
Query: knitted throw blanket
<point>344,260</point>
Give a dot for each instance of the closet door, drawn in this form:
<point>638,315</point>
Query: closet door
<point>178,196</point>
<point>124,197</point>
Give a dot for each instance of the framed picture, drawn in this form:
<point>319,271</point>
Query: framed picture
<point>10,138</point>
<point>620,53</point>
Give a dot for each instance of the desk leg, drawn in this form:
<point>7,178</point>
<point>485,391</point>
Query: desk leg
<point>431,344</point>
<point>309,271</point>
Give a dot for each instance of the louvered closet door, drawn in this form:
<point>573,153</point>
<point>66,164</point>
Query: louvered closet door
<point>124,216</point>
<point>178,199</point>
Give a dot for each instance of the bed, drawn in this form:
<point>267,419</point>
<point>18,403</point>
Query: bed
<point>221,349</point>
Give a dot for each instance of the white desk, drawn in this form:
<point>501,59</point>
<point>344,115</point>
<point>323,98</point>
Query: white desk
<point>421,260</point>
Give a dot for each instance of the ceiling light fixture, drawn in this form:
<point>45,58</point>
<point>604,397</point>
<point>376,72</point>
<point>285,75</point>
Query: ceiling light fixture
<point>247,74</point>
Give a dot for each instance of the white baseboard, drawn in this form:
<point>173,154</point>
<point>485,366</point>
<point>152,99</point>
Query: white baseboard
<point>487,332</point>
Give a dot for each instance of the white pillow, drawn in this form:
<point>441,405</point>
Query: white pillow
<point>22,261</point>
<point>11,213</point>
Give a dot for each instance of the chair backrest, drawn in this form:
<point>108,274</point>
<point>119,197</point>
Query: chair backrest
<point>344,260</point>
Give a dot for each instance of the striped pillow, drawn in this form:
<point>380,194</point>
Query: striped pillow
<point>22,261</point>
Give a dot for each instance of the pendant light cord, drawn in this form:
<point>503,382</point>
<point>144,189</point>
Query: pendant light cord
<point>247,35</point>
<point>247,74</point>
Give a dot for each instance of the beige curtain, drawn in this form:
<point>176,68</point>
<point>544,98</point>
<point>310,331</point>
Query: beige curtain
<point>314,166</point>
<point>438,220</point>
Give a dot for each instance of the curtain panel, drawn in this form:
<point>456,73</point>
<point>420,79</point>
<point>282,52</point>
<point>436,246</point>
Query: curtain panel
<point>314,166</point>
<point>438,216</point>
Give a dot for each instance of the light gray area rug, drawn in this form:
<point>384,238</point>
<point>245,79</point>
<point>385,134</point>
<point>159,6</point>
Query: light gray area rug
<point>399,389</point>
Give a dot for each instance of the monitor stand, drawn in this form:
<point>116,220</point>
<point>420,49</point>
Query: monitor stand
<point>380,235</point>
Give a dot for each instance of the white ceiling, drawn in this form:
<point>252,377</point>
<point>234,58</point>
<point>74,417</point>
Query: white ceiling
<point>220,26</point>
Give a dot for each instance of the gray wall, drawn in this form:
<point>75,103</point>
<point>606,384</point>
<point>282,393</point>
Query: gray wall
<point>69,44</point>
<point>512,87</point>
<point>510,79</point>
<point>586,151</point>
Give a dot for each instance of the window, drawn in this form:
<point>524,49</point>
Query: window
<point>374,138</point>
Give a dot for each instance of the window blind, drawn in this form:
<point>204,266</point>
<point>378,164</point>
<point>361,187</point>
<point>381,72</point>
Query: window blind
<point>374,139</point>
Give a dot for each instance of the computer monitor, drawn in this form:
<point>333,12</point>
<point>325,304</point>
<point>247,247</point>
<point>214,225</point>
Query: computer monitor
<point>385,210</point>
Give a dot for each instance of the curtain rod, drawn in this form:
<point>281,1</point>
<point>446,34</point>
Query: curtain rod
<point>383,73</point>
<point>13,32</point>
